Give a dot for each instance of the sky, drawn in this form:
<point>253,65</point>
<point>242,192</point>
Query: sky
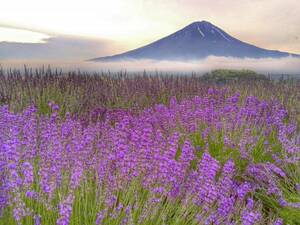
<point>113,26</point>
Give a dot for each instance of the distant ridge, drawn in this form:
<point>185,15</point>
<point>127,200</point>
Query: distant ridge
<point>196,41</point>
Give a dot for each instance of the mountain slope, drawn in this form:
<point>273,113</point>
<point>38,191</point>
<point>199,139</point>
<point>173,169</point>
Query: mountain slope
<point>195,41</point>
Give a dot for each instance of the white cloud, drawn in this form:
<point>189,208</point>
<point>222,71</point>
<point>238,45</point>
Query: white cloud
<point>21,36</point>
<point>287,65</point>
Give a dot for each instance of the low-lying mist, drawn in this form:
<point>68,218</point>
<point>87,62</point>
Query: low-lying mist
<point>288,65</point>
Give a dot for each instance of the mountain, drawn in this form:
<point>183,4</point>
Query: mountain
<point>195,41</point>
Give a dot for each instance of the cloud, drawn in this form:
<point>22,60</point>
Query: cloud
<point>8,34</point>
<point>60,48</point>
<point>287,65</point>
<point>290,65</point>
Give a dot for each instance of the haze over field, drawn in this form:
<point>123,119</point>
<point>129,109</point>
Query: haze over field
<point>287,65</point>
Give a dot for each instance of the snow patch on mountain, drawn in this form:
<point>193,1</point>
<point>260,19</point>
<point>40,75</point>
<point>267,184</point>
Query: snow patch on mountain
<point>200,31</point>
<point>216,29</point>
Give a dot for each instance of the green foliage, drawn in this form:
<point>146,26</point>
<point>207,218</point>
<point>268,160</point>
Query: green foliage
<point>223,76</point>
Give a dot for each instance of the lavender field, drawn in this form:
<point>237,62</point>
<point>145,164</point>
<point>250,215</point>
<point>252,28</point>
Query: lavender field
<point>119,149</point>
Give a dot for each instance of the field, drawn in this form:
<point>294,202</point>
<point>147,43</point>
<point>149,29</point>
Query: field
<point>116,149</point>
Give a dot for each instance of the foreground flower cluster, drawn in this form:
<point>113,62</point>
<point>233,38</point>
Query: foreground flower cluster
<point>215,159</point>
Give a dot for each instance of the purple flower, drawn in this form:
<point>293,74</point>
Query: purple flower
<point>37,220</point>
<point>76,175</point>
<point>243,190</point>
<point>278,221</point>
<point>250,217</point>
<point>28,173</point>
<point>65,210</point>
<point>100,217</point>
<point>226,206</point>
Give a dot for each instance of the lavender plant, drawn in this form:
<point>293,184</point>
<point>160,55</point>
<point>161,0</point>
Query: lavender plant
<point>216,158</point>
<point>80,93</point>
